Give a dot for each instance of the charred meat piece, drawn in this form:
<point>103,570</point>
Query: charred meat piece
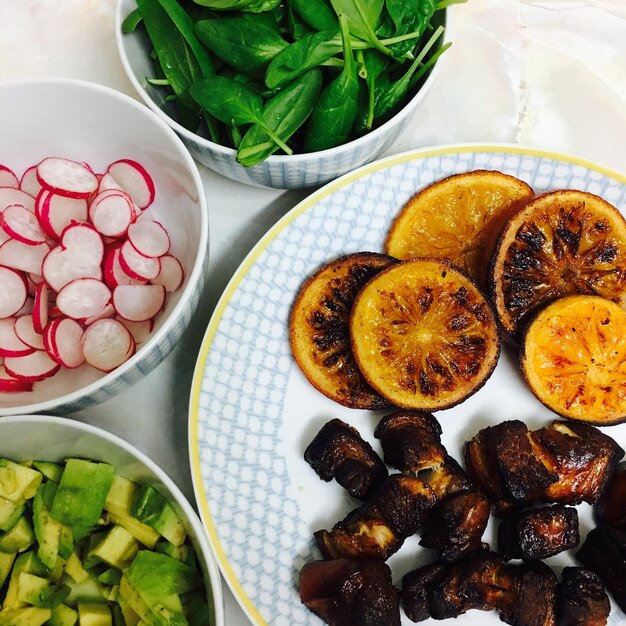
<point>538,533</point>
<point>350,592</point>
<point>456,526</point>
<point>396,510</point>
<point>446,479</point>
<point>411,441</point>
<point>604,553</point>
<point>612,507</point>
<point>339,452</point>
<point>417,587</point>
<point>581,599</point>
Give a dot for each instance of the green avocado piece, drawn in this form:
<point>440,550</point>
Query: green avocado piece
<point>6,563</point>
<point>47,531</point>
<point>63,615</point>
<point>51,471</point>
<point>160,575</point>
<point>18,483</point>
<point>25,562</point>
<point>117,548</point>
<point>19,538</point>
<point>40,591</point>
<point>94,614</point>
<point>151,508</point>
<point>10,512</point>
<point>27,616</point>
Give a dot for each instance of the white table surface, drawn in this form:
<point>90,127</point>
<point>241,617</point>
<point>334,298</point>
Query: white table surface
<point>547,73</point>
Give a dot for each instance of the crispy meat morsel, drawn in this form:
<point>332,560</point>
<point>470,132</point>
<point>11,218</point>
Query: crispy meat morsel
<point>411,440</point>
<point>581,599</point>
<point>538,533</point>
<point>604,553</point>
<point>378,528</point>
<point>446,479</point>
<point>416,589</point>
<point>350,592</point>
<point>339,452</point>
<point>612,507</point>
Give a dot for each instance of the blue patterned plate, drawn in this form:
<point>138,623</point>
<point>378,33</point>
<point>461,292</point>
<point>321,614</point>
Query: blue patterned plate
<point>252,412</point>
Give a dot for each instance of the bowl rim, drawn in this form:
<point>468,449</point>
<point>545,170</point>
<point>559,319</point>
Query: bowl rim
<point>206,547</point>
<point>278,159</point>
<point>195,275</point>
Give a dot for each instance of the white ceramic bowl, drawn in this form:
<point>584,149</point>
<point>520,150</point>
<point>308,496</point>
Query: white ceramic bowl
<point>54,439</point>
<point>88,122</point>
<point>279,171</point>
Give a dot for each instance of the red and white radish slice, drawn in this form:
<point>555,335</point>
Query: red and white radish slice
<point>8,178</point>
<point>83,297</point>
<point>10,344</point>
<point>150,239</point>
<point>140,331</point>
<point>33,367</point>
<point>114,275</point>
<point>107,344</point>
<point>83,239</point>
<point>108,311</point>
<point>64,342</point>
<point>66,177</point>
<point>11,195</point>
<point>13,291</point>
<point>8,384</point>
<point>171,275</point>
<point>26,333</point>
<point>111,213</point>
<point>138,303</point>
<point>40,308</point>
<point>21,256</point>
<point>107,183</point>
<point>135,180</point>
<point>56,212</point>
<point>23,225</point>
<point>29,182</point>
<point>136,265</point>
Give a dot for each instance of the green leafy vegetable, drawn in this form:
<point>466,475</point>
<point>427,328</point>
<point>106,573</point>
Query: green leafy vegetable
<point>363,16</point>
<point>318,14</point>
<point>131,21</point>
<point>409,16</point>
<point>254,6</point>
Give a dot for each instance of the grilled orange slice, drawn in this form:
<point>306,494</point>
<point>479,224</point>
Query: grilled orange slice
<point>319,331</point>
<point>574,359</point>
<point>459,219</point>
<point>423,335</point>
<point>562,243</point>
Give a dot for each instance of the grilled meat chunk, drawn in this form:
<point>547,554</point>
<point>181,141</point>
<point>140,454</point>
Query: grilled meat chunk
<point>446,479</point>
<point>581,599</point>
<point>538,533</point>
<point>396,510</point>
<point>417,587</point>
<point>612,507</point>
<point>350,592</point>
<point>604,553</point>
<point>457,525</point>
<point>339,452</point>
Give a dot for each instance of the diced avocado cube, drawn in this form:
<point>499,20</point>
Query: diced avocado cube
<point>130,598</point>
<point>51,471</point>
<point>130,617</point>
<point>180,553</point>
<point>25,562</point>
<point>117,548</point>
<point>94,614</point>
<point>90,590</point>
<point>18,483</point>
<point>40,591</point>
<point>6,563</point>
<point>151,508</point>
<point>10,512</point>
<point>75,570</point>
<point>111,576</point>
<point>48,490</point>
<point>19,538</point>
<point>66,542</point>
<point>160,575</point>
<point>47,532</point>
<point>27,616</point>
<point>82,492</point>
<point>63,615</point>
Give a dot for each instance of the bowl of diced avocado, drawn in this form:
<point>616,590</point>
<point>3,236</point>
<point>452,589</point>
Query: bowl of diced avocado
<point>93,532</point>
<point>283,94</point>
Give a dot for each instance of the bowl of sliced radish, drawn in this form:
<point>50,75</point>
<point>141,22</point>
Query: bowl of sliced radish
<point>103,243</point>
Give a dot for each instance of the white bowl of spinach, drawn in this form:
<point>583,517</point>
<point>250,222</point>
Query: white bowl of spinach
<point>288,93</point>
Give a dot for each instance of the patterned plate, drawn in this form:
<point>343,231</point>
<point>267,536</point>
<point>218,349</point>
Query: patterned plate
<point>253,413</point>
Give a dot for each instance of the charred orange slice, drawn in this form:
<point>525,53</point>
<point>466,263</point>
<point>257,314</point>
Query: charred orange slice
<point>423,335</point>
<point>458,219</point>
<point>560,244</point>
<point>319,329</point>
<point>574,359</point>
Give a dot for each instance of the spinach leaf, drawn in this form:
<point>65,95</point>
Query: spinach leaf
<point>316,13</point>
<point>296,26</point>
<point>284,114</point>
<point>375,65</point>
<point>363,16</point>
<point>300,56</point>
<point>409,16</point>
<point>334,113</point>
<point>253,6</point>
<point>131,21</point>
<point>246,42</point>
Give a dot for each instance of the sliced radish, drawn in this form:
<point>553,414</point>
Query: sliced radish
<point>140,331</point>
<point>135,180</point>
<point>64,341</point>
<point>138,303</point>
<point>8,178</point>
<point>26,333</point>
<point>40,308</point>
<point>136,265</point>
<point>107,182</point>
<point>11,195</point>
<point>83,297</point>
<point>83,239</point>
<point>114,275</point>
<point>8,384</point>
<point>66,177</point>
<point>61,267</point>
<point>32,367</point>
<point>150,239</point>
<point>108,311</point>
<point>107,344</point>
<point>171,275</point>
<point>29,182</point>
<point>23,225</point>
<point>21,256</point>
<point>111,213</point>
<point>57,212</point>
<point>13,291</point>
<point>10,344</point>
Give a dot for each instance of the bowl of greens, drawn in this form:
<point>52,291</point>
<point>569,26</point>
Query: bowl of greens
<point>283,94</point>
<point>95,532</point>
